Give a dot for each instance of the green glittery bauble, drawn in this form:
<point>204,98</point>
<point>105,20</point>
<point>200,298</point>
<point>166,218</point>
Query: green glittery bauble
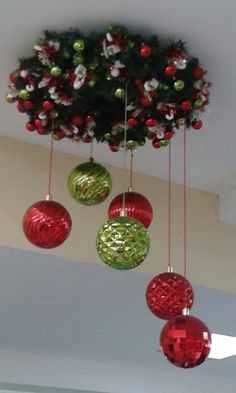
<point>89,183</point>
<point>179,85</point>
<point>120,93</point>
<point>198,103</point>
<point>55,71</point>
<point>24,94</point>
<point>78,45</point>
<point>123,243</point>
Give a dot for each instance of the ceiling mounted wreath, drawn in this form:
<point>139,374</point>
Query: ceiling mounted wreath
<point>75,85</point>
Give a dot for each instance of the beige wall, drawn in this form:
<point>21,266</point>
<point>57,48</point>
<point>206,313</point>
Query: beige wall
<point>211,250</point>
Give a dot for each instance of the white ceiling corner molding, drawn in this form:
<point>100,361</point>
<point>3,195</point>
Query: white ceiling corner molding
<point>222,346</point>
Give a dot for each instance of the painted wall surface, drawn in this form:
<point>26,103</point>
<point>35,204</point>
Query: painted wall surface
<point>211,250</point>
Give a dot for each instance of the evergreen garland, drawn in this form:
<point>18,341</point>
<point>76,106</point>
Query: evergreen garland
<point>75,85</point>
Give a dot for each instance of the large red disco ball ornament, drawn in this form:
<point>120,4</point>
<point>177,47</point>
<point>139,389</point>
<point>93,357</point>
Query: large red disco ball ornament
<point>136,206</point>
<point>168,294</point>
<point>47,224</point>
<point>185,341</point>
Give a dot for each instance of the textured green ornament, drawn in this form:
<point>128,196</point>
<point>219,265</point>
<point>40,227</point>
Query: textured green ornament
<point>120,93</point>
<point>79,45</point>
<point>198,103</point>
<point>107,136</point>
<point>92,82</point>
<point>89,183</point>
<point>78,59</point>
<point>55,71</point>
<point>164,142</point>
<point>123,243</point>
<point>131,144</point>
<point>24,94</point>
<point>179,85</point>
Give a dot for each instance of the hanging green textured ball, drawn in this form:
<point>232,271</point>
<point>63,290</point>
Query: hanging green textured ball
<point>123,243</point>
<point>78,45</point>
<point>179,85</point>
<point>24,94</point>
<point>120,93</point>
<point>55,71</point>
<point>89,183</point>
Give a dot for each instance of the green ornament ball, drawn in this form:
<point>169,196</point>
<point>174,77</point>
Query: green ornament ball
<point>78,59</point>
<point>131,144</point>
<point>24,94</point>
<point>89,183</point>
<point>179,85</point>
<point>78,45</point>
<point>123,243</point>
<point>92,82</point>
<point>164,142</point>
<point>120,93</point>
<point>107,136</point>
<point>55,71</point>
<point>198,103</point>
<point>108,77</point>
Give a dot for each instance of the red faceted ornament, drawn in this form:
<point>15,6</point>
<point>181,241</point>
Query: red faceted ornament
<point>136,205</point>
<point>145,51</point>
<point>47,224</point>
<point>168,294</point>
<point>48,105</point>
<point>197,124</point>
<point>185,341</point>
<point>113,147</point>
<point>198,73</point>
<point>30,126</point>
<point>170,70</point>
<point>156,143</point>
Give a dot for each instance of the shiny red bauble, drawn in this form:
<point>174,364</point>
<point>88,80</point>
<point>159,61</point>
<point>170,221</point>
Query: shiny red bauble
<point>145,51</point>
<point>132,121</point>
<point>198,73</point>
<point>47,224</point>
<point>168,294</point>
<point>30,126</point>
<point>136,205</point>
<point>28,104</point>
<point>168,134</point>
<point>77,120</point>
<point>185,341</point>
<point>170,70</point>
<point>156,143</point>
<point>41,130</point>
<point>48,105</point>
<point>186,105</point>
<point>151,122</point>
<point>38,123</point>
<point>114,147</point>
<point>197,124</point>
<point>145,101</point>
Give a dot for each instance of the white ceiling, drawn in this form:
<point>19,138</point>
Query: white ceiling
<point>53,307</point>
<point>208,28</point>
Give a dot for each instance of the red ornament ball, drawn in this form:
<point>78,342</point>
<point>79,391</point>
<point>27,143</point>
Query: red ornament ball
<point>136,205</point>
<point>168,294</point>
<point>151,122</point>
<point>132,121</point>
<point>198,73</point>
<point>113,147</point>
<point>77,120</point>
<point>20,107</point>
<point>145,51</point>
<point>48,105</point>
<point>186,105</point>
<point>168,134</point>
<point>89,119</point>
<point>197,124</point>
<point>47,224</point>
<point>170,70</point>
<point>28,104</point>
<point>41,130</point>
<point>13,77</point>
<point>30,126</point>
<point>145,101</point>
<point>60,134</point>
<point>185,341</point>
<point>38,123</point>
<point>156,143</point>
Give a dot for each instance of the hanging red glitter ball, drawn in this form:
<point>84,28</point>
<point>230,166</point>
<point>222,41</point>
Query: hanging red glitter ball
<point>47,224</point>
<point>136,205</point>
<point>168,294</point>
<point>185,341</point>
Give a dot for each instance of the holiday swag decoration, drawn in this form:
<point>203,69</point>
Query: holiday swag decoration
<point>79,82</point>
